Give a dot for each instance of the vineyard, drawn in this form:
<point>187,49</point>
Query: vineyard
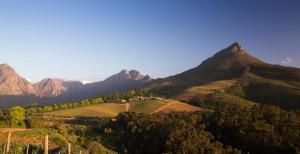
<point>73,130</point>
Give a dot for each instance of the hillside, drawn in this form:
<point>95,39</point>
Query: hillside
<point>234,71</point>
<point>100,110</point>
<point>113,109</point>
<point>227,64</point>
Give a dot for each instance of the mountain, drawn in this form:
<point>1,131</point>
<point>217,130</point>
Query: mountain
<point>74,90</point>
<point>121,81</point>
<point>13,84</point>
<point>226,64</point>
<point>125,75</point>
<point>234,71</point>
<point>50,87</point>
<point>15,90</point>
<point>56,87</point>
<point>231,73</point>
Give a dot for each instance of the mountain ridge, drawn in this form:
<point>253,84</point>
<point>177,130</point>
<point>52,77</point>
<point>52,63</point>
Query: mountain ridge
<point>225,64</point>
<point>254,79</point>
<point>15,90</point>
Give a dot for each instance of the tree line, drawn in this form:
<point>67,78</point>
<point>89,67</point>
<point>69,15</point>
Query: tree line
<point>15,116</point>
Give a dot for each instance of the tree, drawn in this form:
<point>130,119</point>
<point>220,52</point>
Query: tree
<point>16,116</point>
<point>96,148</point>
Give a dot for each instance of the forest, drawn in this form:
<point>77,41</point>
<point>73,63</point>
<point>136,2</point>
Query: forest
<point>230,129</point>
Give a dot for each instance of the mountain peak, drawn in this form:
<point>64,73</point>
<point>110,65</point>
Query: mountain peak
<point>6,67</point>
<point>235,47</point>
<point>232,49</point>
<point>124,71</point>
<point>135,74</point>
<point>12,83</point>
<point>234,56</point>
<point>132,74</point>
<point>7,71</point>
<point>128,75</point>
<point>52,80</point>
<point>50,87</point>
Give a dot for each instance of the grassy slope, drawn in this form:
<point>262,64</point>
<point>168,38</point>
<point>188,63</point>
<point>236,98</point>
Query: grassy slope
<point>176,106</point>
<point>213,86</point>
<point>201,90</point>
<point>269,91</point>
<point>146,106</point>
<point>100,110</point>
<point>262,89</point>
<point>248,88</point>
<point>112,109</point>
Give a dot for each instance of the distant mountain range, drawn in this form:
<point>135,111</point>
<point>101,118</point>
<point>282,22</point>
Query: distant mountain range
<point>231,71</point>
<point>15,90</point>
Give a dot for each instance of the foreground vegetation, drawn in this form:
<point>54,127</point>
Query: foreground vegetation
<point>260,129</point>
<point>229,129</point>
<point>232,125</point>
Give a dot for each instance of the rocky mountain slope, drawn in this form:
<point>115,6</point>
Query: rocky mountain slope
<point>56,87</point>
<point>15,90</point>
<point>50,87</point>
<point>13,84</point>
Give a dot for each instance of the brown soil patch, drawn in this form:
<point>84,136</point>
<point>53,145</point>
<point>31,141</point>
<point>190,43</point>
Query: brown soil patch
<point>178,107</point>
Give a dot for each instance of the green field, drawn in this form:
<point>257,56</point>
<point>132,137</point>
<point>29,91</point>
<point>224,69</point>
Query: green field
<point>213,86</point>
<point>100,110</point>
<point>146,106</point>
<point>111,109</point>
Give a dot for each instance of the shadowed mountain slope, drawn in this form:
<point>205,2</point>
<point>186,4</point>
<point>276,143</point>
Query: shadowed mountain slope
<point>253,79</point>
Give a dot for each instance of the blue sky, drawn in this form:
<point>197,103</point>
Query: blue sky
<point>93,39</point>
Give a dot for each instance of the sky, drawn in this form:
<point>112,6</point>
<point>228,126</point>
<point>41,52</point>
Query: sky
<point>93,39</point>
